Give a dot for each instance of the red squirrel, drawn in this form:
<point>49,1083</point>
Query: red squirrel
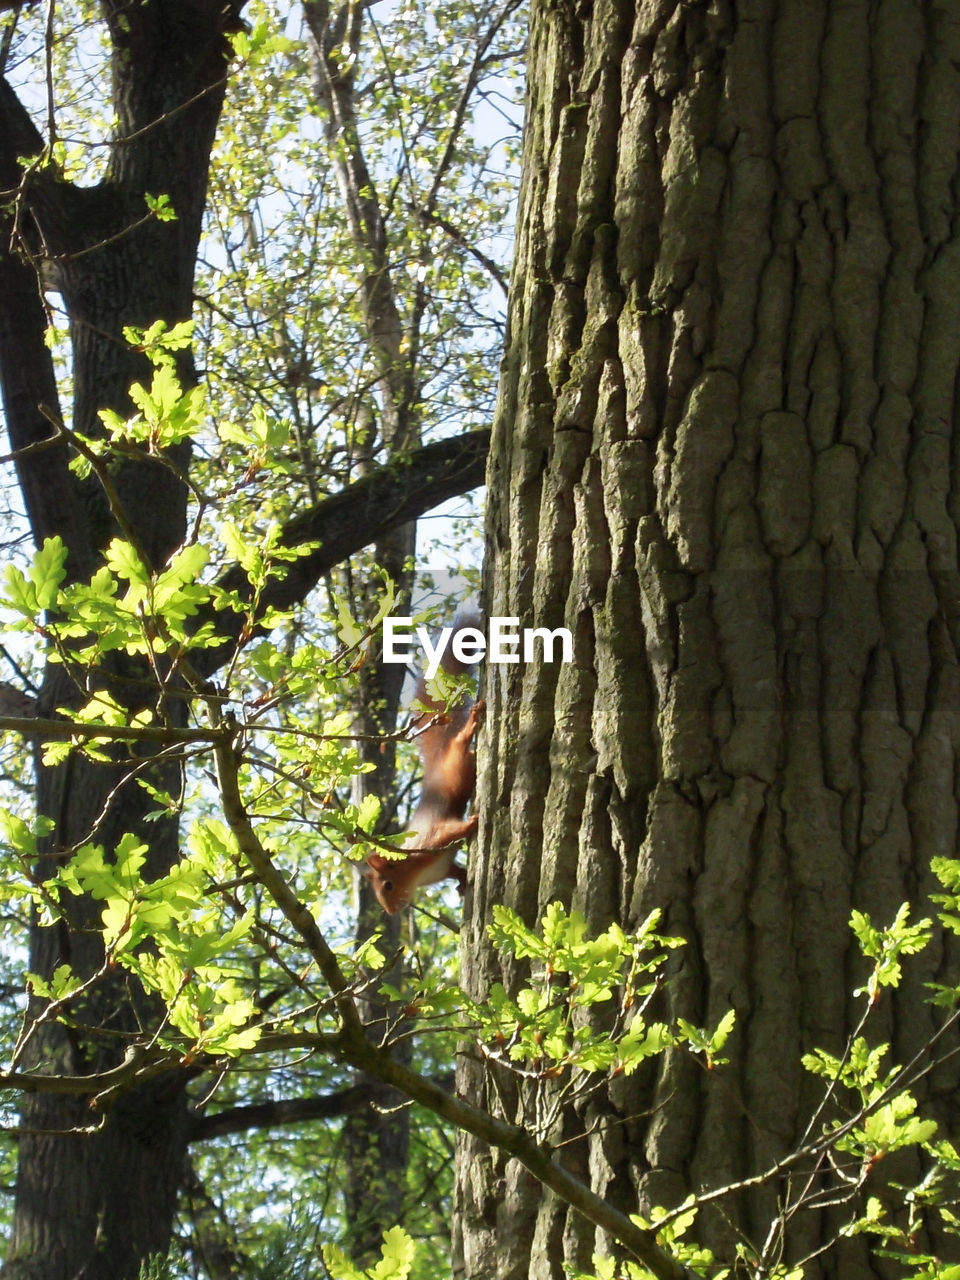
<point>438,826</point>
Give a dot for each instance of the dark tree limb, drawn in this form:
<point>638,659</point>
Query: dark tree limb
<point>267,1115</point>
<point>19,136</point>
<point>27,375</point>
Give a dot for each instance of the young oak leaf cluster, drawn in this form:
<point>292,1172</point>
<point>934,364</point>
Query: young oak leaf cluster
<point>170,933</point>
<point>84,621</point>
<point>543,1025</point>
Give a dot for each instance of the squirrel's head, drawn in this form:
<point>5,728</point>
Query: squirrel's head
<point>392,881</point>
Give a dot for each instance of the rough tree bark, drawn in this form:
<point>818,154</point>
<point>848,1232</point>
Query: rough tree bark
<point>725,456</point>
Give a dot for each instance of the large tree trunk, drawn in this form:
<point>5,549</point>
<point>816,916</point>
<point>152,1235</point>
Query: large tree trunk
<point>724,457</point>
<point>96,1194</point>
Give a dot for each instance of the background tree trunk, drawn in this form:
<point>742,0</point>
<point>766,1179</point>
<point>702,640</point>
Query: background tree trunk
<point>725,457</point>
<point>376,1135</point>
<point>96,1194</point>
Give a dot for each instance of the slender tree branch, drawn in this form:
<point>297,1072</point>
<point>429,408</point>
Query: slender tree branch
<point>262,866</point>
<point>466,93</point>
<point>516,1142</point>
<point>50,730</point>
<point>102,471</point>
<point>429,218</point>
<point>139,1064</point>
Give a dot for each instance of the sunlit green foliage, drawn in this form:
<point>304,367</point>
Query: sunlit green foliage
<point>867,1113</point>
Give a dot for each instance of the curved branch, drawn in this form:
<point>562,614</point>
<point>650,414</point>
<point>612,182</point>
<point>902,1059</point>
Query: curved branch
<point>517,1142</point>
